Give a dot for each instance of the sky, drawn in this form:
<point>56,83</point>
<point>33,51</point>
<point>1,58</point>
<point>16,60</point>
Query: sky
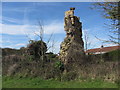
<point>20,23</point>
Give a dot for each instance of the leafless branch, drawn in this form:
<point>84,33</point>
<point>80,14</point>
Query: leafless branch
<point>49,38</point>
<point>28,37</point>
<point>100,39</point>
<point>109,41</point>
<point>41,30</point>
<point>87,42</point>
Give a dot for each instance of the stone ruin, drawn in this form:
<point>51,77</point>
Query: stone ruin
<point>14,62</point>
<point>72,48</point>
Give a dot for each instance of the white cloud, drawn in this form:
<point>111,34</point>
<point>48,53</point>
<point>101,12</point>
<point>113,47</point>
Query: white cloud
<point>56,47</point>
<point>13,20</point>
<point>20,44</point>
<point>53,27</point>
<point>17,46</point>
<point>14,29</point>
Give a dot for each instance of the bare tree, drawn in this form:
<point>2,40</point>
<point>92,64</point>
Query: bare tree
<point>110,11</point>
<point>40,33</point>
<point>86,40</point>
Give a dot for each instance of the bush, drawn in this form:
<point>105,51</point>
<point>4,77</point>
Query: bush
<point>37,48</point>
<point>118,83</point>
<point>51,56</point>
<point>9,51</point>
<point>112,56</point>
<point>59,65</point>
<point>69,76</point>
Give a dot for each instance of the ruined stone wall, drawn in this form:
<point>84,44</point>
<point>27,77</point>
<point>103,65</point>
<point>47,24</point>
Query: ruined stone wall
<point>73,56</point>
<point>72,48</point>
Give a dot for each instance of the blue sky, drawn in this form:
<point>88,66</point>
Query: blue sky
<point>20,19</point>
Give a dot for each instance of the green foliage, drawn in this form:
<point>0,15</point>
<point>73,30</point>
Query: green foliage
<point>112,56</point>
<point>59,65</point>
<point>109,56</point>
<point>118,82</point>
<point>29,57</point>
<point>0,81</point>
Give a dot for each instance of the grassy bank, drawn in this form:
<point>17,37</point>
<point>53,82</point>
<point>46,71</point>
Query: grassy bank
<point>10,82</point>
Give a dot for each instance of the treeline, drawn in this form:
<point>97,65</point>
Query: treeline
<point>109,56</point>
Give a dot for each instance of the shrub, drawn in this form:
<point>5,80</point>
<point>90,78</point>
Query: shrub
<point>37,48</point>
<point>59,65</point>
<point>9,51</point>
<point>51,56</point>
<point>112,56</point>
<point>118,82</point>
<point>69,76</point>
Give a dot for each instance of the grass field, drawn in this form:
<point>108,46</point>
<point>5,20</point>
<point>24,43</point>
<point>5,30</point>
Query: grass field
<point>10,82</point>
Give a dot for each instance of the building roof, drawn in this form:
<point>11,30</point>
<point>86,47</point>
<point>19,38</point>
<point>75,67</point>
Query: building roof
<point>103,49</point>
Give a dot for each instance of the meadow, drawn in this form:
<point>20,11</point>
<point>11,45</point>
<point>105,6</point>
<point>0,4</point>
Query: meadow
<point>29,82</point>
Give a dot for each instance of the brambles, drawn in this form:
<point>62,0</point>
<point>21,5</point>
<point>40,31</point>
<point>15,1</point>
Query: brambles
<point>37,48</point>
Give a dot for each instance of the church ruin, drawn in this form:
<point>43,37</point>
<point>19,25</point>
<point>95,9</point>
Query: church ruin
<point>72,48</point>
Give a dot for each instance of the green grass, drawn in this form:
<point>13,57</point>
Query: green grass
<point>16,82</point>
<point>0,81</point>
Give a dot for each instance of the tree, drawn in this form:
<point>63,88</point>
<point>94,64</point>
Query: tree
<point>40,34</point>
<point>110,11</point>
<point>38,48</point>
<point>86,40</point>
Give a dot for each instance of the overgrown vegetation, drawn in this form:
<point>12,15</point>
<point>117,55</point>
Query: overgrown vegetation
<point>109,56</point>
<point>112,56</point>
<point>37,48</point>
<point>9,51</point>
<point>33,66</point>
<point>32,61</point>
